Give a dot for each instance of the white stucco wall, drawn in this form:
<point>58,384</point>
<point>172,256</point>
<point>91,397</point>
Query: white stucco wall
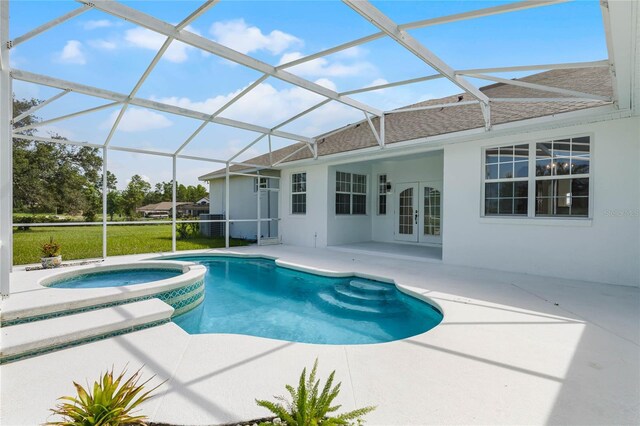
<point>302,229</point>
<point>605,248</point>
<point>344,229</point>
<point>242,201</point>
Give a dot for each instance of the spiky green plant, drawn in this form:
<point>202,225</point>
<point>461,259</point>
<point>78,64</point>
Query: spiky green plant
<point>308,407</point>
<point>111,403</point>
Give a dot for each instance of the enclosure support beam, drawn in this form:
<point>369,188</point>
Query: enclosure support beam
<point>402,37</point>
<point>53,23</point>
<point>173,207</point>
<point>541,87</point>
<point>66,117</point>
<point>146,103</point>
<point>258,196</point>
<point>226,206</point>
<point>40,105</point>
<point>382,131</point>
<point>105,173</point>
<point>540,67</point>
<point>6,156</point>
<point>373,130</point>
<point>132,15</point>
<point>220,110</point>
<point>489,11</point>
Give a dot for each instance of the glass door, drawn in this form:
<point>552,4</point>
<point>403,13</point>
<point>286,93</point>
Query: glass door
<point>431,215</point>
<point>407,215</point>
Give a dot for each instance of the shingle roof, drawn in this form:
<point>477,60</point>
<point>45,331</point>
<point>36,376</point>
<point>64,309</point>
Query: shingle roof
<point>405,126</point>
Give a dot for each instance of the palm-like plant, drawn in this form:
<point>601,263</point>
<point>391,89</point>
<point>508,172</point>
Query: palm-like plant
<point>110,404</point>
<point>309,407</point>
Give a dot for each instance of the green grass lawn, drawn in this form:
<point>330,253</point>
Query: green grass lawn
<point>82,242</point>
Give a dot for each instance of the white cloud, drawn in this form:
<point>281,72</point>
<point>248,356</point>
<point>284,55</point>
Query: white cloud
<point>72,53</point>
<point>102,44</point>
<point>266,105</point>
<point>263,105</point>
<point>137,120</point>
<point>99,23</point>
<point>238,35</point>
<point>323,67</point>
<point>146,39</point>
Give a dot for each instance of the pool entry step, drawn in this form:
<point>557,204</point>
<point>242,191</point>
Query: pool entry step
<point>40,337</point>
<point>364,297</point>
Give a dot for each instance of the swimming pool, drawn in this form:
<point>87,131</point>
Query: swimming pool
<point>115,278</point>
<point>254,296</point>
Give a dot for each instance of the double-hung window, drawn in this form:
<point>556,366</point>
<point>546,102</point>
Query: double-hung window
<point>299,193</point>
<point>351,193</point>
<point>538,179</point>
<point>506,180</point>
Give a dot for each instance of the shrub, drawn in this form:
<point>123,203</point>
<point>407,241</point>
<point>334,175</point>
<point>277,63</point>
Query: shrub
<point>308,408</point>
<point>110,404</point>
<point>50,249</point>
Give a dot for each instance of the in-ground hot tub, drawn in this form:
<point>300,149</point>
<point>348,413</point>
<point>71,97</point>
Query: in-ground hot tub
<point>179,284</point>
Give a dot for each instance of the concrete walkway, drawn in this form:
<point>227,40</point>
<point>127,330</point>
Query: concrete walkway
<point>512,349</point>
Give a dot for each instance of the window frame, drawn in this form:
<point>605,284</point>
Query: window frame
<point>291,211</point>
<point>379,194</point>
<point>351,194</point>
<point>264,183</point>
<point>532,179</point>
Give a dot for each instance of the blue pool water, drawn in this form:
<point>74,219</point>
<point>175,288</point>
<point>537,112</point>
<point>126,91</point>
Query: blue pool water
<point>116,278</point>
<point>255,297</point>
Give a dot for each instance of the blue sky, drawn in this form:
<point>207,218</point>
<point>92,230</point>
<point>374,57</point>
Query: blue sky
<point>103,51</point>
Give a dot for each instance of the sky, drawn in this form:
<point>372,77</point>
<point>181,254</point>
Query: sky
<point>109,53</point>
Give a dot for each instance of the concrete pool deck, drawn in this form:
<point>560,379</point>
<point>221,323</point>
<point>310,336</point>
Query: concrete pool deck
<point>512,349</point>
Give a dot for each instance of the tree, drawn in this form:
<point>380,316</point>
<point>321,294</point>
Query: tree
<point>134,194</point>
<point>112,181</point>
<point>115,204</point>
<point>50,176</point>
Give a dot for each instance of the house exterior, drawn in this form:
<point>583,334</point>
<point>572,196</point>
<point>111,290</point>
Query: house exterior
<point>552,189</point>
<point>164,209</point>
<point>244,192</point>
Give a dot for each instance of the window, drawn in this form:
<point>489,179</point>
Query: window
<point>562,177</point>
<point>264,183</point>
<point>506,185</point>
<point>558,184</point>
<point>299,193</point>
<point>351,193</point>
<point>382,194</point>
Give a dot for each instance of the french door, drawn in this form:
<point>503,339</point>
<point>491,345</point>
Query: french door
<point>419,212</point>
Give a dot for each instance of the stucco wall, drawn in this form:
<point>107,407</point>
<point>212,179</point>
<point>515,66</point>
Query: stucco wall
<point>605,248</point>
<point>308,229</point>
<point>242,201</point>
<point>344,229</point>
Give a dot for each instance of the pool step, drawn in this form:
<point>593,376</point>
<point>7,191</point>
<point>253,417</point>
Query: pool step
<point>35,338</point>
<point>370,287</point>
<point>390,308</point>
<point>347,293</point>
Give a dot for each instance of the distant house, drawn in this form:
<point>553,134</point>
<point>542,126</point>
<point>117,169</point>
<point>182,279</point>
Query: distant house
<point>159,210</point>
<point>164,209</point>
<point>193,209</point>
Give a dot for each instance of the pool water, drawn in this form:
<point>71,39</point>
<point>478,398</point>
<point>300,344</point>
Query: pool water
<point>256,297</point>
<point>116,278</point>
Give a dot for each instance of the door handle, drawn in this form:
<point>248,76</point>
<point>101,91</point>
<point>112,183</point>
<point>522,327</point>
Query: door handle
<point>416,217</point>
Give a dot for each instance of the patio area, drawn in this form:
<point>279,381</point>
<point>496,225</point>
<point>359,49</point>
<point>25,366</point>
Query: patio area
<point>414,252</point>
<point>512,349</point>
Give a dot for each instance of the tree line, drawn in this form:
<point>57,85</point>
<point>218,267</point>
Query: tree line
<point>67,179</point>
